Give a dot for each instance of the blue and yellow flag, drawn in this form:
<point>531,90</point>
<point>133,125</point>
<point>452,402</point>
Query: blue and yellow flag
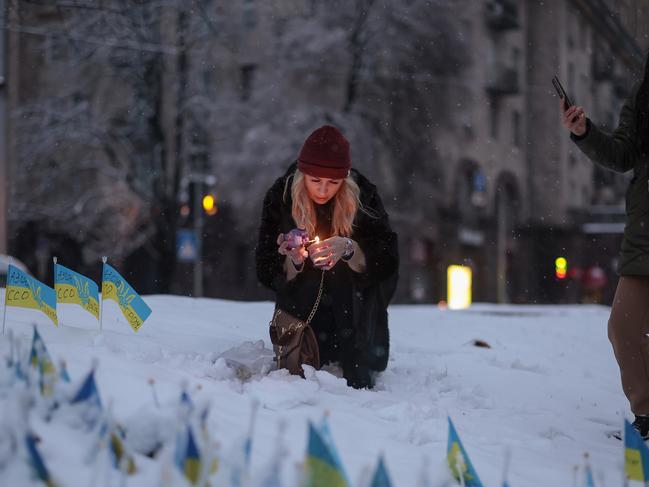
<point>115,287</point>
<point>636,454</point>
<point>327,437</point>
<point>322,468</point>
<point>590,479</point>
<point>23,291</point>
<point>87,399</point>
<point>88,392</point>
<point>186,403</point>
<point>63,372</point>
<point>381,477</point>
<point>120,458</point>
<point>74,288</point>
<point>39,359</point>
<point>458,460</point>
<point>188,458</point>
<point>36,461</point>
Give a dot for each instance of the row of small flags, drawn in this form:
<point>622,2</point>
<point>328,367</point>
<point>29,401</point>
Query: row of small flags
<point>193,453</point>
<point>70,287</point>
<point>194,450</point>
<point>636,460</point>
<point>40,373</point>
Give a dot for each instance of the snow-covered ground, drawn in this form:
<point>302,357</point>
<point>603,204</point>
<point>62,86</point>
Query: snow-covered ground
<point>548,388</point>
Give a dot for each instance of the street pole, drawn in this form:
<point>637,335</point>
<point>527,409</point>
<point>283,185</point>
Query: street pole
<point>501,248</point>
<point>198,229</point>
<point>4,110</point>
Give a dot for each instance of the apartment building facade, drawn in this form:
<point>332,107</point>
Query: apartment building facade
<point>513,193</point>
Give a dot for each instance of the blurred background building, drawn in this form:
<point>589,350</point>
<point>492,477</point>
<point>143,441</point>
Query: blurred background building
<point>119,117</point>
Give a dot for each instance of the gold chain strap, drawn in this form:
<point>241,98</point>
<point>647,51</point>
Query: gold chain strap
<point>317,301</point>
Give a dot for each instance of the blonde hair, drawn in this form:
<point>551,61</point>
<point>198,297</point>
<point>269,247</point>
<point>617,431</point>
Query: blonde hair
<point>346,203</point>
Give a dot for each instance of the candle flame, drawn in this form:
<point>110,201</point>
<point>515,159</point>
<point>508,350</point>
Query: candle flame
<point>317,239</point>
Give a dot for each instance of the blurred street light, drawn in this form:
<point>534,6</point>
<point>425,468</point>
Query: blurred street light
<point>459,287</point>
<point>209,204</point>
<point>561,267</point>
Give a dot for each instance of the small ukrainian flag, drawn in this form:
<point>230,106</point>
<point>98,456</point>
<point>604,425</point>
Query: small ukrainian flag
<point>327,437</point>
<point>381,477</point>
<point>39,359</point>
<point>115,287</point>
<point>36,461</point>
<point>458,460</point>
<point>188,458</point>
<point>74,288</point>
<point>636,454</point>
<point>322,468</point>
<point>23,291</point>
<point>88,391</point>
<point>121,459</point>
<point>87,401</point>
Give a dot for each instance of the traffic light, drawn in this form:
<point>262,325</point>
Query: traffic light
<point>209,204</point>
<point>560,268</point>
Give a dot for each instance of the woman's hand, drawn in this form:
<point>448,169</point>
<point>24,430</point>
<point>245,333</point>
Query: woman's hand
<point>327,253</point>
<point>574,119</point>
<point>297,254</point>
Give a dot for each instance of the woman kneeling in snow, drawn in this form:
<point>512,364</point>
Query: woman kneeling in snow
<point>355,255</point>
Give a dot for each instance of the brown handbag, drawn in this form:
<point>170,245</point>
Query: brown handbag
<point>293,340</point>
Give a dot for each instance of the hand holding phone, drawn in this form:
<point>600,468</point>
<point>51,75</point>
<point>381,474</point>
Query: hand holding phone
<point>573,117</point>
<point>561,92</point>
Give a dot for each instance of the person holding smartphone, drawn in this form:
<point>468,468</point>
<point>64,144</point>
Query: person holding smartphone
<point>354,260</point>
<point>626,149</point>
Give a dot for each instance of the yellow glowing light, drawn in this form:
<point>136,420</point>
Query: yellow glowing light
<point>209,204</point>
<point>561,263</point>
<point>317,239</point>
<point>459,287</point>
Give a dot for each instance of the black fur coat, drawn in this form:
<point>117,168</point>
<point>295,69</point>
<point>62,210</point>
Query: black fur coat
<point>354,305</point>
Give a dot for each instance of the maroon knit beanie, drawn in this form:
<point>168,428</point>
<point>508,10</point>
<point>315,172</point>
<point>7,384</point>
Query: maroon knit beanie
<point>325,154</point>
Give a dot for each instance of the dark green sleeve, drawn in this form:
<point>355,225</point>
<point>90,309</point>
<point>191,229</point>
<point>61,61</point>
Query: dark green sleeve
<point>617,151</point>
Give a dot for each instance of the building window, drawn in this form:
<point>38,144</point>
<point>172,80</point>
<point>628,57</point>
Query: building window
<point>493,119</point>
<point>472,192</point>
<point>207,78</point>
<point>583,32</point>
<point>467,32</point>
<point>572,23</point>
<point>249,14</point>
<point>56,49</point>
<point>516,58</point>
<point>516,135</point>
<point>78,98</point>
<point>247,78</point>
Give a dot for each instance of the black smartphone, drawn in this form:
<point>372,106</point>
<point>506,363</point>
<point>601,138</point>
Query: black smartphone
<point>561,92</point>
